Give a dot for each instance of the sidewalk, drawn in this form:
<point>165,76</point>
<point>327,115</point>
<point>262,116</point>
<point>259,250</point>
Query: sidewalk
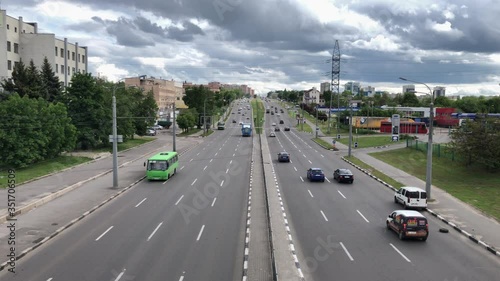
<point>37,192</point>
<point>467,219</point>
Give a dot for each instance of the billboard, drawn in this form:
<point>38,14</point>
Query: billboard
<point>395,127</point>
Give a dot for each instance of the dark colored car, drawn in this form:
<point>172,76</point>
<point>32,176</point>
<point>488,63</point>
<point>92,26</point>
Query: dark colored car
<point>283,157</point>
<point>282,122</point>
<point>234,121</point>
<point>343,175</point>
<point>287,128</point>
<point>408,224</point>
<point>276,129</point>
<point>315,174</point>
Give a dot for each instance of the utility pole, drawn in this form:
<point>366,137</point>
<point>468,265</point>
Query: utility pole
<point>115,143</point>
<point>350,127</point>
<point>173,129</point>
<point>317,121</point>
<point>204,116</point>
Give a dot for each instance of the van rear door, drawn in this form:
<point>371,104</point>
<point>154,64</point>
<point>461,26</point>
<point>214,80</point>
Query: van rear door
<point>416,226</point>
<point>416,198</point>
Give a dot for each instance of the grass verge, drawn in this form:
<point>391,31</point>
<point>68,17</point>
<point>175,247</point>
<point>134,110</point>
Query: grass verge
<point>369,141</point>
<point>258,114</point>
<point>208,133</point>
<point>44,168</point>
<point>190,132</point>
<point>324,143</point>
<point>472,185</point>
<point>375,172</point>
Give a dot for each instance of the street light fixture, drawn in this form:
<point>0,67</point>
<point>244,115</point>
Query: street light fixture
<point>428,180</point>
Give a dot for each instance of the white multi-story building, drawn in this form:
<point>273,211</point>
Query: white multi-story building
<point>311,96</point>
<point>20,40</point>
<point>323,87</point>
<point>408,89</point>
<point>439,91</point>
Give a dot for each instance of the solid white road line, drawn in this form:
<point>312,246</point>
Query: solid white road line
<point>154,231</point>
<point>341,194</point>
<point>399,252</point>
<point>104,233</point>
<point>310,193</point>
<point>201,231</point>
<point>179,200</point>
<point>301,178</point>
<point>327,179</point>
<point>213,202</point>
<point>324,215</point>
<point>205,168</point>
<point>362,216</point>
<point>120,275</point>
<point>194,181</point>
<point>140,202</point>
<point>347,252</point>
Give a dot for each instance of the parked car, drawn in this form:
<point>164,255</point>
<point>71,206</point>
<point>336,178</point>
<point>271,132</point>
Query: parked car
<point>343,175</point>
<point>408,224</point>
<point>287,128</point>
<point>151,132</point>
<point>315,174</point>
<point>272,134</point>
<point>411,197</point>
<point>283,157</point>
<point>158,127</point>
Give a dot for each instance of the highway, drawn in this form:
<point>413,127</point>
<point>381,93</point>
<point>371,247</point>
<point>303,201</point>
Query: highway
<point>340,228</point>
<point>190,227</point>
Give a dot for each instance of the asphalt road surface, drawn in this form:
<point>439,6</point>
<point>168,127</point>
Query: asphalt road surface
<point>190,227</point>
<point>340,228</point>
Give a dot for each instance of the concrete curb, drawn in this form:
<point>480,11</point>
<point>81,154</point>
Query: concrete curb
<point>434,213</point>
<point>329,149</point>
<point>61,229</point>
<point>82,164</point>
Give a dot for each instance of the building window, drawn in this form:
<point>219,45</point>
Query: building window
<point>83,58</point>
<point>9,65</point>
<point>62,69</point>
<point>57,67</point>
<point>56,51</point>
<point>8,46</point>
<point>69,71</point>
<point>73,56</point>
<point>68,54</point>
<point>16,48</point>
<point>16,63</point>
<point>62,53</point>
<point>73,70</point>
<point>8,27</point>
<point>15,29</point>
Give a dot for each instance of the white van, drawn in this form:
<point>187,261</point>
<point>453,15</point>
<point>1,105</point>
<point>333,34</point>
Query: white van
<point>411,197</point>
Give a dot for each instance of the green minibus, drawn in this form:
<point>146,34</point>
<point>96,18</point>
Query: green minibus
<point>162,165</point>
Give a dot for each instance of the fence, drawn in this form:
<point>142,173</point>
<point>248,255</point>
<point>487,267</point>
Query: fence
<point>438,149</point>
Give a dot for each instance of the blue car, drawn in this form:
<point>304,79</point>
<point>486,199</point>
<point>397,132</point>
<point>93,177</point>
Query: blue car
<point>315,174</point>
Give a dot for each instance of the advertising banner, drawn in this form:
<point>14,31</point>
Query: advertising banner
<point>395,127</point>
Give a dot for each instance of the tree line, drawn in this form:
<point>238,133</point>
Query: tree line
<point>40,119</point>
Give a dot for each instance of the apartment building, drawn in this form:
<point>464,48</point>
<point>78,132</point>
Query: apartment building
<point>312,96</point>
<point>165,91</point>
<point>20,40</point>
<point>408,89</point>
<point>325,86</point>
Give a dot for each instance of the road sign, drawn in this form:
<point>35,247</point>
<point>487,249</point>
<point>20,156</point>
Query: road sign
<point>355,144</point>
<point>119,138</point>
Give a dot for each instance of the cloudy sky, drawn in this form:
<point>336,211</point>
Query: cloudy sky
<point>277,44</point>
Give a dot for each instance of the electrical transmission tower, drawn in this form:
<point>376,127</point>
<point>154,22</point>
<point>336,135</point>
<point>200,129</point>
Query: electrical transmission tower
<point>335,84</point>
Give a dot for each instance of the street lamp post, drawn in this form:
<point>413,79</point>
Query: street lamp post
<point>316,121</point>
<point>428,179</point>
<point>173,130</point>
<point>350,127</point>
<point>115,143</point>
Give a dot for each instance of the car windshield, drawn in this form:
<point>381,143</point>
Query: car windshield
<point>316,172</point>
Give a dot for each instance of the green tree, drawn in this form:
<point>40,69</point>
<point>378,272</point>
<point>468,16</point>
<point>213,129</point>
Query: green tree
<point>32,130</point>
<point>19,82</point>
<point>34,88</point>
<point>187,119</point>
<point>409,99</point>
<point>51,83</point>
<point>145,111</point>
<point>88,111</point>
